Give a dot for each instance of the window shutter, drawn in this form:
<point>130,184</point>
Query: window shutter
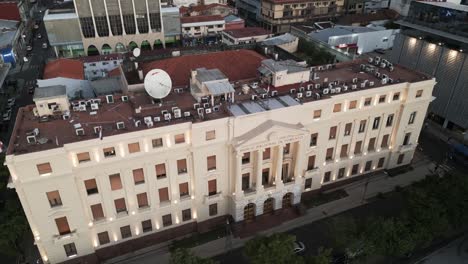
<point>212,186</point>
<point>183,188</point>
<point>358,147</point>
<point>120,205</point>
<point>138,176</point>
<point>211,162</point>
<point>266,153</point>
<point>142,199</point>
<point>163,194</point>
<point>53,196</point>
<point>115,182</point>
<point>311,163</point>
<point>84,156</point>
<point>344,150</point>
<point>160,169</point>
<point>385,141</point>
<point>90,184</point>
<point>62,225</point>
<point>134,147</point>
<point>97,211</point>
<point>44,168</point>
<point>182,165</point>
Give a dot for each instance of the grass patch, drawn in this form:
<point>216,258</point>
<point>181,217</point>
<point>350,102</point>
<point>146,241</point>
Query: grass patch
<point>323,198</point>
<point>198,239</point>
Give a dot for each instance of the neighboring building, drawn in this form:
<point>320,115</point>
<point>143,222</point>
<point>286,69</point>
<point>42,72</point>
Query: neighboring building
<point>233,22</point>
<point>97,67</point>
<point>245,35</point>
<point>354,6</point>
<point>11,43</point>
<point>250,10</point>
<point>180,3</point>
<point>437,45</point>
<point>356,40</point>
<point>401,6</point>
<point>201,29</point>
<point>373,6</point>
<point>207,10</point>
<point>106,179</point>
<point>17,10</point>
<point>109,26</point>
<point>63,32</point>
<point>171,26</point>
<point>379,18</point>
<point>287,41</point>
<point>278,15</point>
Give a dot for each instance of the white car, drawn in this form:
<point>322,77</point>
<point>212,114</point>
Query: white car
<point>29,48</point>
<point>44,45</point>
<point>298,247</point>
<point>7,116</point>
<point>11,102</point>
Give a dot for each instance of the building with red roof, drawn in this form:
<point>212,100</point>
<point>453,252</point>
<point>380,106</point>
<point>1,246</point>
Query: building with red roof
<point>66,68</point>
<point>9,10</point>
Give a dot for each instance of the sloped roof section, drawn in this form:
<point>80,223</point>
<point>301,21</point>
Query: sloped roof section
<point>65,68</point>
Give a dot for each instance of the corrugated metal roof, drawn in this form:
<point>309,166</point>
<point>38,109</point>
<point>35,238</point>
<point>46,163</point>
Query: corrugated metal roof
<point>49,91</point>
<point>219,87</point>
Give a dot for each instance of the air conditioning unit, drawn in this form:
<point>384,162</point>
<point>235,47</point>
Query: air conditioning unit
<point>317,86</point>
<point>97,129</point>
<point>124,98</point>
<point>177,113</point>
<point>163,112</point>
<point>80,132</point>
<point>147,119</point>
<point>299,95</point>
<point>254,85</point>
<point>206,105</point>
<point>363,85</point>
<point>31,139</point>
<point>216,108</point>
<point>309,86</point>
<point>317,96</point>
<point>66,116</point>
<point>93,113</point>
<point>301,89</point>
<point>186,114</point>
<point>345,88</point>
<point>137,123</point>
<point>362,67</point>
<point>200,111</point>
<point>384,81</point>
<point>167,117</point>
<point>355,80</point>
<point>390,80</point>
<point>120,125</point>
<point>253,97</point>
<point>338,89</point>
<point>208,110</point>
<point>326,91</point>
<point>82,108</point>
<point>157,119</point>
<point>96,101</point>
<point>174,108</point>
<point>383,65</point>
<point>82,103</point>
<point>320,68</point>
<point>94,106</point>
<point>391,68</point>
<point>110,99</point>
<point>178,90</point>
<point>377,74</point>
<point>292,91</point>
<point>329,66</point>
<point>308,94</point>
<point>264,96</point>
<point>371,60</point>
<point>353,87</point>
<point>149,124</point>
<point>371,84</point>
<point>332,90</point>
<point>196,105</point>
<point>274,93</point>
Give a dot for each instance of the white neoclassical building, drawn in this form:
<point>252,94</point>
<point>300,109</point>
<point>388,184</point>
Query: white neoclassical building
<point>106,176</point>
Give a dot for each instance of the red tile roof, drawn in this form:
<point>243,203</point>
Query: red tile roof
<point>115,72</point>
<point>66,68</point>
<point>198,19</point>
<point>235,64</point>
<point>247,32</point>
<point>9,11</point>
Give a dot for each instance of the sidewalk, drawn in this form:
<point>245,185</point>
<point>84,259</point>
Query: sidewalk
<point>379,183</point>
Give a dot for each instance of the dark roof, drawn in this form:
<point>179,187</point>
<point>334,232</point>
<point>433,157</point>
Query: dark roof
<point>247,32</point>
<point>49,91</point>
<point>197,19</point>
<point>385,14</point>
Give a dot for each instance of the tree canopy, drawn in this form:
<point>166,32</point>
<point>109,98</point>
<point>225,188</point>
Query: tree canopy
<point>277,248</point>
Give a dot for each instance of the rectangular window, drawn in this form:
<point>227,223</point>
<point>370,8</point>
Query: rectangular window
<point>396,96</point>
<point>358,148</point>
<point>183,189</point>
<point>109,152</point>
<point>44,168</point>
<point>210,135</point>
<point>376,123</point>
<point>97,212</point>
<point>419,93</point>
<point>83,157</point>
<point>146,226</point>
<point>332,132</point>
<point>327,176</point>
<point>179,139</point>
<point>245,181</point>
<point>213,208</point>
<point>70,249</point>
<point>344,151</point>
<point>265,176</point>
<point>91,187</point>
<point>167,220</point>
<point>329,154</point>
<point>313,139</point>
<point>353,104</point>
<point>157,142</point>
<point>389,120</point>
<point>103,238</point>
<point>382,99</point>
<point>163,195</point>
<point>341,173</point>
<point>125,232</point>
<point>182,166</point>
<point>211,163</point>
<point>347,130</point>
<point>138,176</point>
<point>367,101</point>
<point>54,198</point>
<point>160,171</point>
<point>380,163</point>
<point>212,189</point>
<point>62,225</point>
<point>400,158</point>
<point>133,147</point>
<point>371,146</point>
<point>266,154</point>
<point>308,183</point>
<point>142,199</point>
<point>311,163</point>
<point>317,114</point>
<point>120,205</point>
<point>337,108</point>
<point>362,126</point>
<point>186,215</point>
<point>368,165</point>
<point>246,158</point>
<point>411,118</point>
<point>355,169</point>
<point>384,141</point>
<point>406,139</point>
<point>115,182</point>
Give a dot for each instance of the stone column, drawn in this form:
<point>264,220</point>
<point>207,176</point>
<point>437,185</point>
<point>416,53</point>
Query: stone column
<point>96,35</point>
<point>259,185</point>
<point>122,21</point>
<point>299,160</point>
<point>137,31</point>
<point>108,19</point>
<point>279,165</point>
<point>238,175</point>
<point>149,22</point>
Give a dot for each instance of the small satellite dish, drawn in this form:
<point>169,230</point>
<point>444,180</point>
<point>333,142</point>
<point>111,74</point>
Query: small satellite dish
<point>136,52</point>
<point>158,83</point>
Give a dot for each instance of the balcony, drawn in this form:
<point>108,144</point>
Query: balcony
<point>406,147</point>
<point>64,236</point>
<point>250,191</point>
<point>213,197</point>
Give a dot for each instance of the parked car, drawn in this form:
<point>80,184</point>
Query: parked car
<point>29,48</point>
<point>44,45</point>
<point>298,247</point>
<point>31,89</point>
<point>39,36</point>
<point>7,115</point>
<point>11,102</point>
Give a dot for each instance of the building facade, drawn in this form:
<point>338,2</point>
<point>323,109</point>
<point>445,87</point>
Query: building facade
<point>201,29</point>
<point>98,185</point>
<point>115,26</point>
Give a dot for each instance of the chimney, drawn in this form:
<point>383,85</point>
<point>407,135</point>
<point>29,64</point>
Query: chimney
<point>140,74</point>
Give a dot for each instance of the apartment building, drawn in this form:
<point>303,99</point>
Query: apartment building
<point>110,175</point>
<point>278,15</point>
<point>202,29</point>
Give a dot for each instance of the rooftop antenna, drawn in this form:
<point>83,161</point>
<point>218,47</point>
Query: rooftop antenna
<point>136,54</point>
<point>158,84</point>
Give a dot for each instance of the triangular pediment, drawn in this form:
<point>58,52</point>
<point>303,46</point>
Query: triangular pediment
<point>269,133</point>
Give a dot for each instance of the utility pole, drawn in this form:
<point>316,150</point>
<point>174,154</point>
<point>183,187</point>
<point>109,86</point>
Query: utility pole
<point>228,242</point>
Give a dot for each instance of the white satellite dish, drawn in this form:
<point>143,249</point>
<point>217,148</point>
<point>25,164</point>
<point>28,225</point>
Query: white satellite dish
<point>136,52</point>
<point>158,83</point>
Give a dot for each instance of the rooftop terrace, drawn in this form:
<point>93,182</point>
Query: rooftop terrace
<point>136,111</point>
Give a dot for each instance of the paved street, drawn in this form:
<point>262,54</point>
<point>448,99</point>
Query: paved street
<point>454,253</point>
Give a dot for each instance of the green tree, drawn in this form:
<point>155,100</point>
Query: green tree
<point>342,231</point>
<point>324,256</point>
<point>277,248</point>
<point>184,256</point>
<point>13,227</point>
